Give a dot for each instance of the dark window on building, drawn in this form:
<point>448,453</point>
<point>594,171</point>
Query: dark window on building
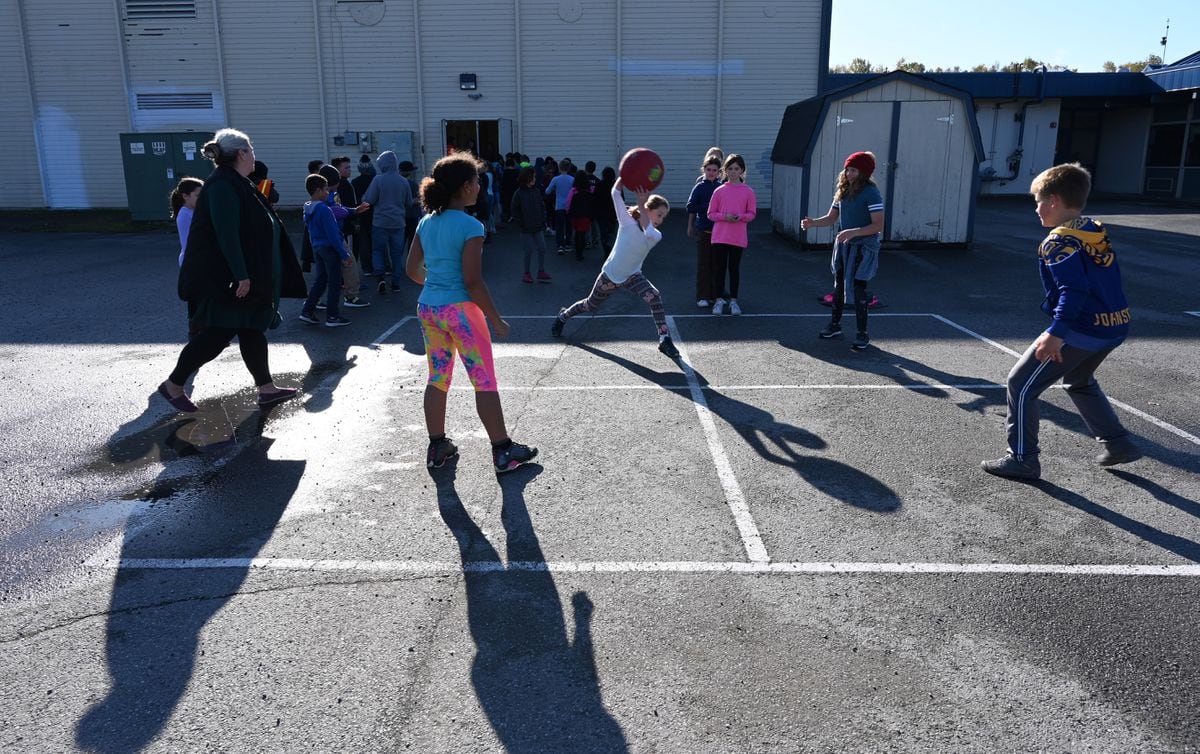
<point>1166,146</point>
<point>1170,111</point>
<point>1192,159</point>
<point>154,9</point>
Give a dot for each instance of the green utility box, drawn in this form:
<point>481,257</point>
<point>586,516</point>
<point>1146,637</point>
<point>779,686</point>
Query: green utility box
<point>154,163</point>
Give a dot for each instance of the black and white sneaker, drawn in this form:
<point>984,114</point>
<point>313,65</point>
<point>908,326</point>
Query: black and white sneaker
<point>334,320</point>
<point>321,306</point>
<point>382,286</point>
<point>832,330</point>
<point>440,451</point>
<point>667,347</point>
<point>357,302</point>
<point>309,317</point>
<point>556,329</point>
<point>513,457</point>
<point>861,341</point>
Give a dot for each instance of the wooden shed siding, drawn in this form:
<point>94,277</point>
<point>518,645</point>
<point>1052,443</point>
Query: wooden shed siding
<point>16,117</point>
<point>82,102</point>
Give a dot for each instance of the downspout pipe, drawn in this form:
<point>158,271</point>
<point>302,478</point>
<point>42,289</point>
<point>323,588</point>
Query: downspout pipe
<point>320,79</point>
<point>1014,160</point>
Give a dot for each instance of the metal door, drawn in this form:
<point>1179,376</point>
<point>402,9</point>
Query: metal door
<point>922,156</point>
<point>506,135</point>
<point>865,127</point>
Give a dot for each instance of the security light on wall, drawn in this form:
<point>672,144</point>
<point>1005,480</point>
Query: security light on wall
<point>467,81</point>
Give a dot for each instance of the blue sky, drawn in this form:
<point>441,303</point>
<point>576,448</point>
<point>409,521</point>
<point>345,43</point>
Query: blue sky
<point>1073,33</point>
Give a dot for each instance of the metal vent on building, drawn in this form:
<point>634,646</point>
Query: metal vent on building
<point>143,9</point>
<point>175,101</point>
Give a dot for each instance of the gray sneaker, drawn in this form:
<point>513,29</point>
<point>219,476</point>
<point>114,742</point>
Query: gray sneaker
<point>861,341</point>
<point>1011,467</point>
<point>1118,451</point>
<point>556,329</point>
<point>832,330</point>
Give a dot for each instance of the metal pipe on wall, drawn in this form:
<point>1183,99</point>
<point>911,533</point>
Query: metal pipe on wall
<point>516,145</point>
<point>33,106</point>
<point>220,61</point>
<point>720,71</point>
<point>320,80</point>
<point>620,68</point>
<point>420,83</point>
<point>124,62</point>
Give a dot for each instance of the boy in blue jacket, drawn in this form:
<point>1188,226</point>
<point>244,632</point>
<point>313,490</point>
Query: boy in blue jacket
<point>1089,318</point>
<point>329,252</point>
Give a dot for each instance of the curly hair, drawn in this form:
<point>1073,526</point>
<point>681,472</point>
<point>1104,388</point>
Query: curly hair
<point>449,174</point>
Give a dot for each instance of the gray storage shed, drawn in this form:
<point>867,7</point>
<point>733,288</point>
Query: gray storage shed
<point>927,148</point>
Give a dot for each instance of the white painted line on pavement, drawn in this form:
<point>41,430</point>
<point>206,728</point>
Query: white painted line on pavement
<point>729,388</point>
<point>1194,314</point>
<point>1119,404</point>
<point>388,332</point>
<point>737,567</point>
<point>714,316</point>
<point>751,540</point>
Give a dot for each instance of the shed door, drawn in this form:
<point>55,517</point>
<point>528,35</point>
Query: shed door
<point>864,127</point>
<point>922,154</point>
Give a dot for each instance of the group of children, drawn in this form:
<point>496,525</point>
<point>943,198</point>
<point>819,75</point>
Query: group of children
<point>1084,295</point>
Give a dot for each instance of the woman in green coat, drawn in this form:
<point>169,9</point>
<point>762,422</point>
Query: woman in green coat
<point>237,265</point>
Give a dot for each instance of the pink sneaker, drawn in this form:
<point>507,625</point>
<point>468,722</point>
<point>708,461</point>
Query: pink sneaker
<point>544,277</point>
<point>527,278</point>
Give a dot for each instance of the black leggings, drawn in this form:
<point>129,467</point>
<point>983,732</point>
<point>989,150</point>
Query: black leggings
<point>860,294</point>
<point>208,344</point>
<point>726,255</point>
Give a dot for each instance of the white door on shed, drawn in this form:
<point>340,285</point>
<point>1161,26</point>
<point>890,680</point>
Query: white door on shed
<point>922,153</point>
<point>865,127</point>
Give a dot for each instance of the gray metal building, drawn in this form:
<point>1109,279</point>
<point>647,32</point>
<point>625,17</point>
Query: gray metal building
<point>581,78</point>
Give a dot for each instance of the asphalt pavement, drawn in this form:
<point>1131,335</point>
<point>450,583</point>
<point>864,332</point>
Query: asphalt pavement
<point>772,544</point>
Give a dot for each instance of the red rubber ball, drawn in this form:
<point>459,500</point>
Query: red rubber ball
<point>641,168</point>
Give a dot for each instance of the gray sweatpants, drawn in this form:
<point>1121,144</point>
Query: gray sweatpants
<point>1030,378</point>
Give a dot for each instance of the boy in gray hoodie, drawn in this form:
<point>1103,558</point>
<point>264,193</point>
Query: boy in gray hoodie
<point>391,197</point>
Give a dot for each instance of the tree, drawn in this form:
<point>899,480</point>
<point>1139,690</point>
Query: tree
<point>913,67</point>
<point>1110,67</point>
<point>860,65</point>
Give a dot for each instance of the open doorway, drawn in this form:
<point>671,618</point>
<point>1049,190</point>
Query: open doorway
<point>484,138</point>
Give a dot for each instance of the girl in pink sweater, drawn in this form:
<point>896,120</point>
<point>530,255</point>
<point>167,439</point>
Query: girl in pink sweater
<point>733,206</point>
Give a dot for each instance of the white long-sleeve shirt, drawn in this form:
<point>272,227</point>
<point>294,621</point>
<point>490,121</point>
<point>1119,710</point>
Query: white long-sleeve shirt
<point>632,245</point>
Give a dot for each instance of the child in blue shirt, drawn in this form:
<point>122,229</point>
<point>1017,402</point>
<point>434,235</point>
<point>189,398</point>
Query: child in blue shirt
<point>858,211</point>
<point>455,306</point>
<point>329,253</point>
<point>1089,318</point>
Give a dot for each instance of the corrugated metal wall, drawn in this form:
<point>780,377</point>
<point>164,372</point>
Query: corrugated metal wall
<point>587,79</point>
<point>79,83</point>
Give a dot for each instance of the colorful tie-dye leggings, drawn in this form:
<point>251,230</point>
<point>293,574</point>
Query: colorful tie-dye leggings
<point>462,328</point>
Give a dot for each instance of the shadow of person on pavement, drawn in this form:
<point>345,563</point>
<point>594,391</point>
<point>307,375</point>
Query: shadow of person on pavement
<point>540,690</point>
<point>1181,546</point>
<point>155,617</point>
<point>775,441</point>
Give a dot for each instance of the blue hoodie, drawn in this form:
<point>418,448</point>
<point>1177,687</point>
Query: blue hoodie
<point>389,194</point>
<point>1083,286</point>
<point>323,229</point>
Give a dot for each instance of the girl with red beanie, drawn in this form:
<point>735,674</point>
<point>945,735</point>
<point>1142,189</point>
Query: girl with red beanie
<point>858,211</point>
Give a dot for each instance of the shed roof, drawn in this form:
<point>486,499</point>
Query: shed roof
<point>1030,84</point>
<point>802,120</point>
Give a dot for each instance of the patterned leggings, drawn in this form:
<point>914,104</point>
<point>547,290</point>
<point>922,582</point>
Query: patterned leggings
<point>460,328</point>
<point>636,283</point>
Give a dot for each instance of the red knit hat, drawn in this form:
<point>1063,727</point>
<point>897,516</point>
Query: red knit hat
<point>863,161</point>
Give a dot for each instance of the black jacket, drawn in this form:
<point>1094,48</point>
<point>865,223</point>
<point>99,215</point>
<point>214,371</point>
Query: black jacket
<point>206,274</point>
<point>528,210</point>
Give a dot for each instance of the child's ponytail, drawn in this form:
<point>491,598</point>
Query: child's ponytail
<point>449,174</point>
<point>185,187</point>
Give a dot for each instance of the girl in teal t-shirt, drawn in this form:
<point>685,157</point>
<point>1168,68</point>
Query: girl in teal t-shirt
<point>454,307</point>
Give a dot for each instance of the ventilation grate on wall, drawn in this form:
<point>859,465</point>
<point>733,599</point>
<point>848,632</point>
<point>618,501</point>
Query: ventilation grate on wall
<point>175,101</point>
<point>143,9</point>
